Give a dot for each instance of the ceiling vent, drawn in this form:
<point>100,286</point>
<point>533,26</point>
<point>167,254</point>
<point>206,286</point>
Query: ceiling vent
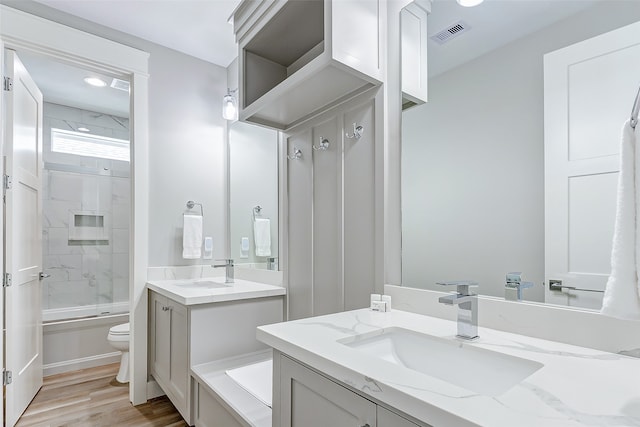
<point>120,84</point>
<point>450,33</point>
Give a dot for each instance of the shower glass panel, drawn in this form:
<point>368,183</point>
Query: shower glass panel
<point>86,213</point>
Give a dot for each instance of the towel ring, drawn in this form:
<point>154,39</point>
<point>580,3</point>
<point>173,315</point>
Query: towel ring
<point>191,204</point>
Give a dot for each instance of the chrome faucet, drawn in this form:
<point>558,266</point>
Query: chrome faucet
<point>514,286</point>
<point>467,303</point>
<point>228,269</point>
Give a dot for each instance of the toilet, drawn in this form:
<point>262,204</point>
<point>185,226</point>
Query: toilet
<point>119,339</point>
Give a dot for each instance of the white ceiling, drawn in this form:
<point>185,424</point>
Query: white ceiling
<point>493,23</point>
<point>64,84</point>
<point>196,27</point>
<point>199,28</point>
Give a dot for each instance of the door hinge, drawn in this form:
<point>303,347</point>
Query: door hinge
<point>7,84</point>
<point>6,280</point>
<point>7,377</point>
<point>7,182</point>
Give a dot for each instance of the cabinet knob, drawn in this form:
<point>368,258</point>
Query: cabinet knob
<point>366,425</point>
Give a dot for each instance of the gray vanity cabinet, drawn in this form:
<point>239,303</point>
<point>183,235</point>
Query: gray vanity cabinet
<point>308,399</point>
<point>168,356</point>
<point>181,337</point>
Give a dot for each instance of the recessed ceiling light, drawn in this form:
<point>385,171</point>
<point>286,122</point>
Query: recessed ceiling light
<point>84,130</point>
<point>95,81</point>
<point>469,3</point>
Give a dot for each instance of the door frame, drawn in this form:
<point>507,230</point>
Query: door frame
<point>25,32</point>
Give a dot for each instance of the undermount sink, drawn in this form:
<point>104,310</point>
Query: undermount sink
<point>482,371</point>
<point>204,284</point>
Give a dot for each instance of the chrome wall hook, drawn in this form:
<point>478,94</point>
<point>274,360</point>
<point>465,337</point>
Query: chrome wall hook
<point>297,154</point>
<point>357,132</point>
<point>323,145</point>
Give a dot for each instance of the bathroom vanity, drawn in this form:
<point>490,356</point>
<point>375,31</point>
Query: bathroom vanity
<point>404,369</point>
<point>192,322</point>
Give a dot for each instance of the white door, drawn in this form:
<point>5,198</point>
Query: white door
<point>23,238</point>
<point>589,89</point>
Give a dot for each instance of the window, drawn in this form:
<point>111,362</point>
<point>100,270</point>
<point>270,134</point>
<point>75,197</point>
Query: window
<point>81,144</point>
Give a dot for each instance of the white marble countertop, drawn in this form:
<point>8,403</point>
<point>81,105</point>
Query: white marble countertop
<point>576,386</point>
<point>212,289</point>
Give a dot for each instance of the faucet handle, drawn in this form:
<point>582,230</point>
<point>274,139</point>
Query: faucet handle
<point>514,280</point>
<point>227,262</point>
<point>462,286</point>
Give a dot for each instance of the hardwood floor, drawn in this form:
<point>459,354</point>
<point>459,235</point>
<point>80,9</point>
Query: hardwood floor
<point>91,398</point>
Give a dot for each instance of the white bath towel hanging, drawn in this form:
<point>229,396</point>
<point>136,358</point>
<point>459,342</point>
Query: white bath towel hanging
<point>622,294</point>
<point>262,236</point>
<point>192,237</point>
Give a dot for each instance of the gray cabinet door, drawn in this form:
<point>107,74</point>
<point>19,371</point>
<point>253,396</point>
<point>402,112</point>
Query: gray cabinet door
<point>178,351</point>
<point>158,337</point>
<point>311,400</point>
<point>387,418</point>
<point>168,349</point>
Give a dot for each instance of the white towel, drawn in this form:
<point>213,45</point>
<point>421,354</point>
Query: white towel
<point>192,237</point>
<point>262,236</point>
<point>257,379</point>
<point>622,294</point>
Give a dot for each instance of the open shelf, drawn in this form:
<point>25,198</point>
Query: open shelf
<point>292,39</point>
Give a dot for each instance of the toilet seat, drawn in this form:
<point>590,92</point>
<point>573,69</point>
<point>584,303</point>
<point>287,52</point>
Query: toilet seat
<point>122,329</point>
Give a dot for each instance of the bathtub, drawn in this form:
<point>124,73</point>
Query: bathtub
<point>84,311</point>
<point>76,338</point>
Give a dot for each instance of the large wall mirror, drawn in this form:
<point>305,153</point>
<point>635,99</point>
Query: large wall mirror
<point>253,201</point>
<point>474,162</point>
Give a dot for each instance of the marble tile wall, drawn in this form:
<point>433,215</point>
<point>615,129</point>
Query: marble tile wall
<point>84,273</point>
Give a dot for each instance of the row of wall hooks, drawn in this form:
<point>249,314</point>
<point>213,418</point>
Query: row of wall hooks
<point>324,143</point>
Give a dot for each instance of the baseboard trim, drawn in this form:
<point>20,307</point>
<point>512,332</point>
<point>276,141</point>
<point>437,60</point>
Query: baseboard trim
<point>81,363</point>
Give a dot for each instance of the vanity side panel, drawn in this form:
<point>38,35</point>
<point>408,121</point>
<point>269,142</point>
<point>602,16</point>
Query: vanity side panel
<point>228,329</point>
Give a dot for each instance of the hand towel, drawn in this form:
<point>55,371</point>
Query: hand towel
<point>262,236</point>
<point>622,294</point>
<point>192,237</point>
<point>256,379</point>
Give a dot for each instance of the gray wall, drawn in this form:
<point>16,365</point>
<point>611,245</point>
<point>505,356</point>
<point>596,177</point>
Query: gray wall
<point>472,171</point>
<point>186,138</point>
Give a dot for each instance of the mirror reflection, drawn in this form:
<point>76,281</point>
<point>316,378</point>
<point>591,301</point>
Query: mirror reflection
<point>253,206</point>
<point>512,164</point>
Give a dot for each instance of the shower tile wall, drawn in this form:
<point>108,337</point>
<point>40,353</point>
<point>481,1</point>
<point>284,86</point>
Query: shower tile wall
<point>84,274</point>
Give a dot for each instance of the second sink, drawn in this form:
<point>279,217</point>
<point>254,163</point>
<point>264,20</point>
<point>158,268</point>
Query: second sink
<point>479,370</point>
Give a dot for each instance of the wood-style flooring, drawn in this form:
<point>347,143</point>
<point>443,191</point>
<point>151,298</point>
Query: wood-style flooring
<point>92,398</point>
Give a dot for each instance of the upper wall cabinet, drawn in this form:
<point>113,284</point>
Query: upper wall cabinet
<point>297,58</point>
<point>413,42</point>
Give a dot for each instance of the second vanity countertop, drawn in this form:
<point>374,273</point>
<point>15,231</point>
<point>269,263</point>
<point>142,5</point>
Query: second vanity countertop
<point>576,386</point>
<point>212,289</point>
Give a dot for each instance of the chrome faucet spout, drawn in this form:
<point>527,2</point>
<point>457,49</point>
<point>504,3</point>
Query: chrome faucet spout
<point>228,269</point>
<point>467,303</point>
